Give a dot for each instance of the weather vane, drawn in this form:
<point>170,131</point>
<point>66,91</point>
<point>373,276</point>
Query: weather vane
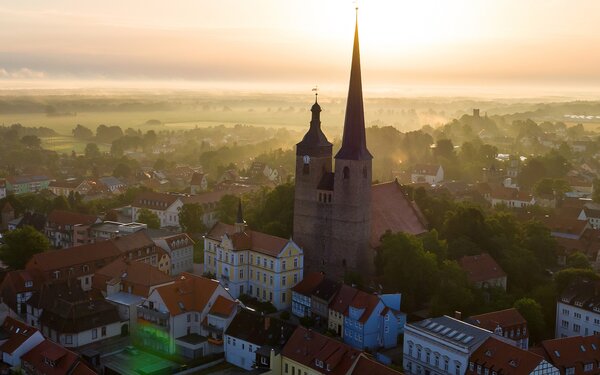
<point>316,90</point>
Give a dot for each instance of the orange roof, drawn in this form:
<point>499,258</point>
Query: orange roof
<point>139,275</point>
<point>188,293</point>
<point>19,333</point>
<point>155,201</point>
<point>481,267</point>
<point>309,283</point>
<point>64,360</point>
<point>365,301</point>
<point>503,358</point>
<point>134,241</point>
<point>343,299</point>
<point>572,352</point>
<point>197,178</point>
<point>366,365</point>
<point>222,307</point>
<point>391,210</point>
<point>506,193</point>
<point>249,239</point>
<point>61,217</point>
<point>426,169</point>
<point>58,259</point>
<point>503,318</point>
<point>307,348</point>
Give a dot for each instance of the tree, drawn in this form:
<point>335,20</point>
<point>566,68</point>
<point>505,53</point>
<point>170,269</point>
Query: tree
<point>149,218</point>
<point>60,203</point>
<point>122,170</point>
<point>578,260</point>
<point>92,151</point>
<point>191,218</point>
<point>564,278</point>
<point>532,312</point>
<point>454,292</point>
<point>31,141</point>
<point>81,132</point>
<point>20,245</point>
<point>227,208</point>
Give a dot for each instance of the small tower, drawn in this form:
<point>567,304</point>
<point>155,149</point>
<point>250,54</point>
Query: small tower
<point>240,224</point>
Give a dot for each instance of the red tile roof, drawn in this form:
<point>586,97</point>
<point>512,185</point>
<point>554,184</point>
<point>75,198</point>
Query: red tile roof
<point>308,283</point>
<point>197,178</point>
<point>368,366</point>
<point>503,358</point>
<point>343,298</point>
<point>65,360</point>
<point>391,210</point>
<point>188,293</point>
<point>18,333</point>
<point>155,201</point>
<point>84,254</point>
<point>307,347</point>
<point>61,217</point>
<point>366,301</point>
<point>481,267</point>
<point>573,352</point>
<point>248,240</point>
<point>140,276</point>
<point>222,307</point>
<point>503,318</point>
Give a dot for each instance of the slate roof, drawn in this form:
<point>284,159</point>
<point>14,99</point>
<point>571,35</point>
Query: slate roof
<point>452,331</point>
<point>326,290</point>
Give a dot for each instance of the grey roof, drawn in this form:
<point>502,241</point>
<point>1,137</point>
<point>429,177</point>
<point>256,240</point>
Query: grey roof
<point>110,181</point>
<point>123,298</point>
<point>453,331</point>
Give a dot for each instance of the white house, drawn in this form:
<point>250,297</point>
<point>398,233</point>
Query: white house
<point>187,317</point>
<point>428,173</point>
<point>511,197</point>
<point>578,310</point>
<point>591,213</point>
<point>440,345</point>
<point>17,339</point>
<point>181,249</point>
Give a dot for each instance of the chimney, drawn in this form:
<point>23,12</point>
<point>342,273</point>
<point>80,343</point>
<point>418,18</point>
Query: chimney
<point>458,315</point>
<point>267,322</point>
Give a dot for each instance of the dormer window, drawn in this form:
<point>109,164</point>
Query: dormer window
<point>28,284</point>
<point>319,363</point>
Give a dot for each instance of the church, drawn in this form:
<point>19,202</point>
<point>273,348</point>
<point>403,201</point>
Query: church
<point>339,215</point>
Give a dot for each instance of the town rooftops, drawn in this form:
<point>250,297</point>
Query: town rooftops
<point>368,366</point>
<point>139,275</point>
<point>451,330</point>
<point>309,283</point>
<point>503,318</point>
<point>174,241</point>
<point>426,169</point>
<point>260,330</point>
<point>84,254</point>
<point>62,217</point>
<point>249,239</point>
<point>363,300</point>
<point>502,358</point>
<point>392,210</point>
<point>188,293</point>
<point>25,179</point>
<point>510,194</point>
<point>66,316</point>
<point>343,298</point>
<point>326,290</point>
<point>481,268</point>
<point>319,352</point>
<point>573,352</point>
<point>15,333</point>
<point>110,181</point>
<point>583,294</point>
<point>155,201</point>
<point>49,358</point>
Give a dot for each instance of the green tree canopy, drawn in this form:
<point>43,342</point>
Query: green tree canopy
<point>20,245</point>
<point>149,218</point>
<point>191,218</point>
<point>532,312</point>
<point>92,150</point>
<point>81,132</point>
<point>578,260</point>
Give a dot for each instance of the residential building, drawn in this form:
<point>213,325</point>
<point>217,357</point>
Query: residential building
<point>591,213</point>
<point>112,184</point>
<point>199,183</point>
<point>17,288</point>
<point>26,184</point>
<point>483,271</point>
<point>71,186</point>
<point>123,275</point>
<point>574,355</point>
<point>165,206</point>
<point>251,337</point>
<point>187,317</point>
<point>181,251</point>
<point>312,353</point>
<point>301,294</point>
<point>511,197</point>
<point>440,345</point>
<point>498,357</point>
<point>67,229</point>
<point>50,358</point>
<point>107,230</point>
<point>578,310</point>
<point>256,264</point>
<point>427,173</point>
<point>321,297</point>
<point>338,307</point>
<point>508,323</point>
<point>16,339</point>
<point>371,324</point>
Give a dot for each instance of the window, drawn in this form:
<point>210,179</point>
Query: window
<point>241,258</point>
<point>295,278</point>
<point>283,280</point>
<point>577,315</point>
<point>295,262</point>
<point>588,367</point>
<point>346,173</point>
<point>251,273</point>
<point>241,274</point>
<point>283,297</point>
<point>570,371</point>
<point>68,339</point>
<point>265,262</point>
<point>258,261</point>
<point>283,265</point>
<point>103,331</point>
<point>285,368</point>
<point>576,328</point>
<point>271,264</point>
<point>189,317</point>
<point>264,278</point>
<point>270,280</point>
<point>94,333</point>
<point>564,324</point>
<point>457,372</point>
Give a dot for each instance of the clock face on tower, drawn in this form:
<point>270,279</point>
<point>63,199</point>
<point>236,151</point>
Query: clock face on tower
<point>306,159</point>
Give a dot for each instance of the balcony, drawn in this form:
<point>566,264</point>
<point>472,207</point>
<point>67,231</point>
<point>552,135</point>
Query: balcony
<point>153,316</point>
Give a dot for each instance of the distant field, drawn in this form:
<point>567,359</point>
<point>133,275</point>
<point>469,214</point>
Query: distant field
<point>67,144</point>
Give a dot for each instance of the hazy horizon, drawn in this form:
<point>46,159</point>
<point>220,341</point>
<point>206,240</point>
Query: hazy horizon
<point>458,48</point>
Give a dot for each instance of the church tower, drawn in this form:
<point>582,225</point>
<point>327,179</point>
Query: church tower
<point>351,221</point>
<point>313,164</point>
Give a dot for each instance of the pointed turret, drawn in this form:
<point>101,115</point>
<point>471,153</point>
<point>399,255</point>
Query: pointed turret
<point>354,141</point>
<point>314,143</point>
<point>240,224</point>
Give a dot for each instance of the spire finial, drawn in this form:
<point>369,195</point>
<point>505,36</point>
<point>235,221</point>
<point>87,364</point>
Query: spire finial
<point>240,216</point>
<point>316,90</point>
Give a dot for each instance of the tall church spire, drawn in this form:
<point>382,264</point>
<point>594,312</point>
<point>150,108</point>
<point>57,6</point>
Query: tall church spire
<point>354,141</point>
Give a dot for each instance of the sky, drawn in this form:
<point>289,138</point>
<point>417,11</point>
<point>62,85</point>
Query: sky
<point>406,45</point>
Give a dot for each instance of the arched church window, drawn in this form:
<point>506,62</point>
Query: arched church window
<point>346,173</point>
<point>365,172</point>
